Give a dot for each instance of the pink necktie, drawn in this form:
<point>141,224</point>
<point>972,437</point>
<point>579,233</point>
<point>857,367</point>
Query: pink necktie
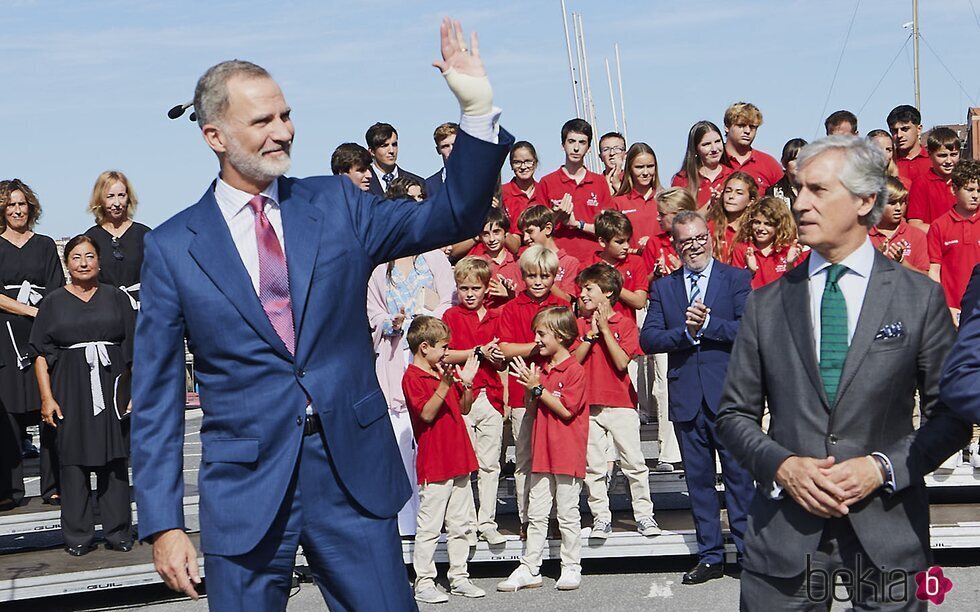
<point>273,275</point>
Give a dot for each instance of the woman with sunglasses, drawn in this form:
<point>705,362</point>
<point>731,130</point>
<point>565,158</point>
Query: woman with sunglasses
<point>120,239</point>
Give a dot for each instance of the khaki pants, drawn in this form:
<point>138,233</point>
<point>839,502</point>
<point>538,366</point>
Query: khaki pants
<point>522,426</point>
<point>448,503</point>
<point>621,427</point>
<point>670,451</point>
<point>545,491</point>
<point>486,427</point>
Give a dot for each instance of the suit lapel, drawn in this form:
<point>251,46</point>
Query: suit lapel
<point>214,251</point>
<point>680,290</point>
<point>714,282</point>
<point>876,300</point>
<point>301,223</point>
<point>796,301</point>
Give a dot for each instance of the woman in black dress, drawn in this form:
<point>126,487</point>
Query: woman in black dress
<point>29,270</point>
<point>83,338</point>
<point>120,239</point>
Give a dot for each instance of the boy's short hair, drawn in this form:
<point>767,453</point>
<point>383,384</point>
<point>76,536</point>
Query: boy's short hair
<point>966,171</point>
<point>348,156</point>
<point>942,137</point>
<point>536,215</point>
<point>378,133</point>
<point>606,277</point>
<point>445,130</point>
<point>743,112</point>
<point>675,200</point>
<point>497,216</point>
<point>537,258</point>
<point>578,126</point>
<point>836,118</point>
<point>896,190</point>
<point>611,224</point>
<point>472,267</point>
<point>426,329</point>
<point>399,187</point>
<point>560,321</point>
<point>612,135</point>
<point>904,113</point>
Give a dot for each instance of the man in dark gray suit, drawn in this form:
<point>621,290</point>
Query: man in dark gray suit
<point>836,349</point>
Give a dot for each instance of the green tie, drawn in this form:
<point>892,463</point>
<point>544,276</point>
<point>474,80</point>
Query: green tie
<point>833,331</point>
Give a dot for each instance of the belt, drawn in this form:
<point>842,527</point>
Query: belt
<point>129,293</point>
<point>95,354</point>
<point>312,425</point>
<point>26,293</point>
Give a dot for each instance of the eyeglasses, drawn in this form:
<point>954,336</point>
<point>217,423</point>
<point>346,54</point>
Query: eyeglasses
<point>116,252</point>
<point>611,149</point>
<point>686,244</point>
<point>523,162</point>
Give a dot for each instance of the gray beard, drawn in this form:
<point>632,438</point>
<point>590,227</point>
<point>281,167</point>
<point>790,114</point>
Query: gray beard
<point>256,167</point>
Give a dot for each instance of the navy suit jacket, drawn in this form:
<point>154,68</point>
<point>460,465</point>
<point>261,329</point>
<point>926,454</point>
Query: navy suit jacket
<point>695,372</point>
<point>376,187</point>
<point>253,391</point>
<point>960,385</point>
<point>433,184</point>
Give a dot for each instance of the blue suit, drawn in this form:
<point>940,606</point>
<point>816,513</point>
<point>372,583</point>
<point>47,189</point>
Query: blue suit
<point>695,376</point>
<point>960,384</point>
<point>256,463</point>
<point>433,184</point>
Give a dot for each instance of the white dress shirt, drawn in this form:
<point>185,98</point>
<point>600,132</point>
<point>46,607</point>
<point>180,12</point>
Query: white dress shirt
<point>853,284</point>
<point>234,207</point>
<point>703,286</point>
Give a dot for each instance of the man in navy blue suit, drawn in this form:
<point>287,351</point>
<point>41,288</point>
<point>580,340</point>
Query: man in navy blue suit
<point>265,277</point>
<point>444,137</point>
<point>693,316</point>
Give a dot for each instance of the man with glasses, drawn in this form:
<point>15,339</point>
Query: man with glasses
<point>693,316</point>
<point>612,152</point>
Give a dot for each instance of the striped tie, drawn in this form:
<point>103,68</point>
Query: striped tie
<point>695,289</point>
<point>833,331</point>
<point>273,275</point>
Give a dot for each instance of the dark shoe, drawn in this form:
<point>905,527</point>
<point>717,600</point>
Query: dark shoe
<point>79,550</point>
<point>120,547</point>
<point>54,500</point>
<point>523,532</point>
<point>734,569</point>
<point>7,504</point>
<point>703,573</point>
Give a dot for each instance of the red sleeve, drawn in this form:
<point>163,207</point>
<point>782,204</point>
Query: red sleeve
<point>506,325</point>
<point>638,279</point>
<point>678,181</point>
<point>453,323</point>
<point>738,255</point>
<point>918,202</point>
<point>541,194</point>
<point>918,255</point>
<point>934,242</point>
<point>417,391</point>
<point>629,338</point>
<point>573,393</point>
<point>568,284</point>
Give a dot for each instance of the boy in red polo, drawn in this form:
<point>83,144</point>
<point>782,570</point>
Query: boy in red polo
<point>504,274</point>
<point>742,121</point>
<point>610,342</point>
<point>931,194</point>
<point>905,124</point>
<point>575,193</point>
<point>614,231</point>
<point>473,328</point>
<point>444,459</point>
<point>556,395</point>
<point>537,225</point>
<point>894,237</point>
<point>538,267</point>
<point>954,238</point>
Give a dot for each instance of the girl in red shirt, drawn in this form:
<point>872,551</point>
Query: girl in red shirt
<point>706,161</point>
<point>766,243</point>
<point>635,197</point>
<point>725,217</point>
<point>521,191</point>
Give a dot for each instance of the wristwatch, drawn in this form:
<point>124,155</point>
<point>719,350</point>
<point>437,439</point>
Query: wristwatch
<point>478,352</point>
<point>590,338</point>
<point>537,391</point>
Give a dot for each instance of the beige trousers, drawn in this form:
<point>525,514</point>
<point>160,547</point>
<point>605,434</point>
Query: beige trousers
<point>448,503</point>
<point>486,427</point>
<point>522,427</point>
<point>621,427</point>
<point>670,452</point>
<point>545,491</point>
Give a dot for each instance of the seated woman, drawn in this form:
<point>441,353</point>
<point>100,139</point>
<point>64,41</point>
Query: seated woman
<point>83,339</point>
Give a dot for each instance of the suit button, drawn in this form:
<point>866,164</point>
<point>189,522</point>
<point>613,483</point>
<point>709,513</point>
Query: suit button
<point>299,421</point>
<point>301,373</point>
<point>832,438</point>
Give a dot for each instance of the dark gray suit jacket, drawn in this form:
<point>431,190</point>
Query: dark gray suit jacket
<point>774,361</point>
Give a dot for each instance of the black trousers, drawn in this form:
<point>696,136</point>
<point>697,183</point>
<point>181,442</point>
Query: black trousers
<point>77,516</point>
<point>12,462</point>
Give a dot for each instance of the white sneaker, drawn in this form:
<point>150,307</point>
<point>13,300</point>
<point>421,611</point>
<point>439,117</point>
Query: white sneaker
<point>570,579</point>
<point>601,529</point>
<point>430,594</point>
<point>521,578</point>
<point>465,588</point>
<point>648,526</point>
<point>493,537</point>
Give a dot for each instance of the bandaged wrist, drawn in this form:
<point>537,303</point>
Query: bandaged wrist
<point>474,94</point>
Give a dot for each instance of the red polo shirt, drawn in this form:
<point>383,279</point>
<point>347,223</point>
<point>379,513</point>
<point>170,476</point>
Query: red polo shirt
<point>771,266</point>
<point>517,201</point>
<point>761,166</point>
<point>505,269</point>
<point>930,197</point>
<point>912,168</point>
<point>643,215</point>
<point>514,326</point>
<point>588,198</point>
<point>607,385</point>
<point>954,244</point>
<point>558,447</point>
<point>444,448</point>
<point>916,248</point>
<point>568,269</point>
<point>651,255</point>
<point>706,188</point>
<point>469,331</point>
<point>634,273</point>
<point>727,242</point>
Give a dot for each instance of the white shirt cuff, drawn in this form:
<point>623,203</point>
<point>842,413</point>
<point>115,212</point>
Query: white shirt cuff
<point>484,127</point>
<point>776,492</point>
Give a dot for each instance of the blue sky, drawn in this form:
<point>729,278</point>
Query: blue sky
<point>88,84</point>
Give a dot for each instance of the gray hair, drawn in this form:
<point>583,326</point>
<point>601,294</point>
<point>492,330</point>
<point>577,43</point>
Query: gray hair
<point>863,172</point>
<point>211,93</point>
<point>685,217</point>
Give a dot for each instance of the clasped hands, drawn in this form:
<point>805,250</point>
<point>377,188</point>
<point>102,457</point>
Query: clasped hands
<point>827,488</point>
<point>695,317</point>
